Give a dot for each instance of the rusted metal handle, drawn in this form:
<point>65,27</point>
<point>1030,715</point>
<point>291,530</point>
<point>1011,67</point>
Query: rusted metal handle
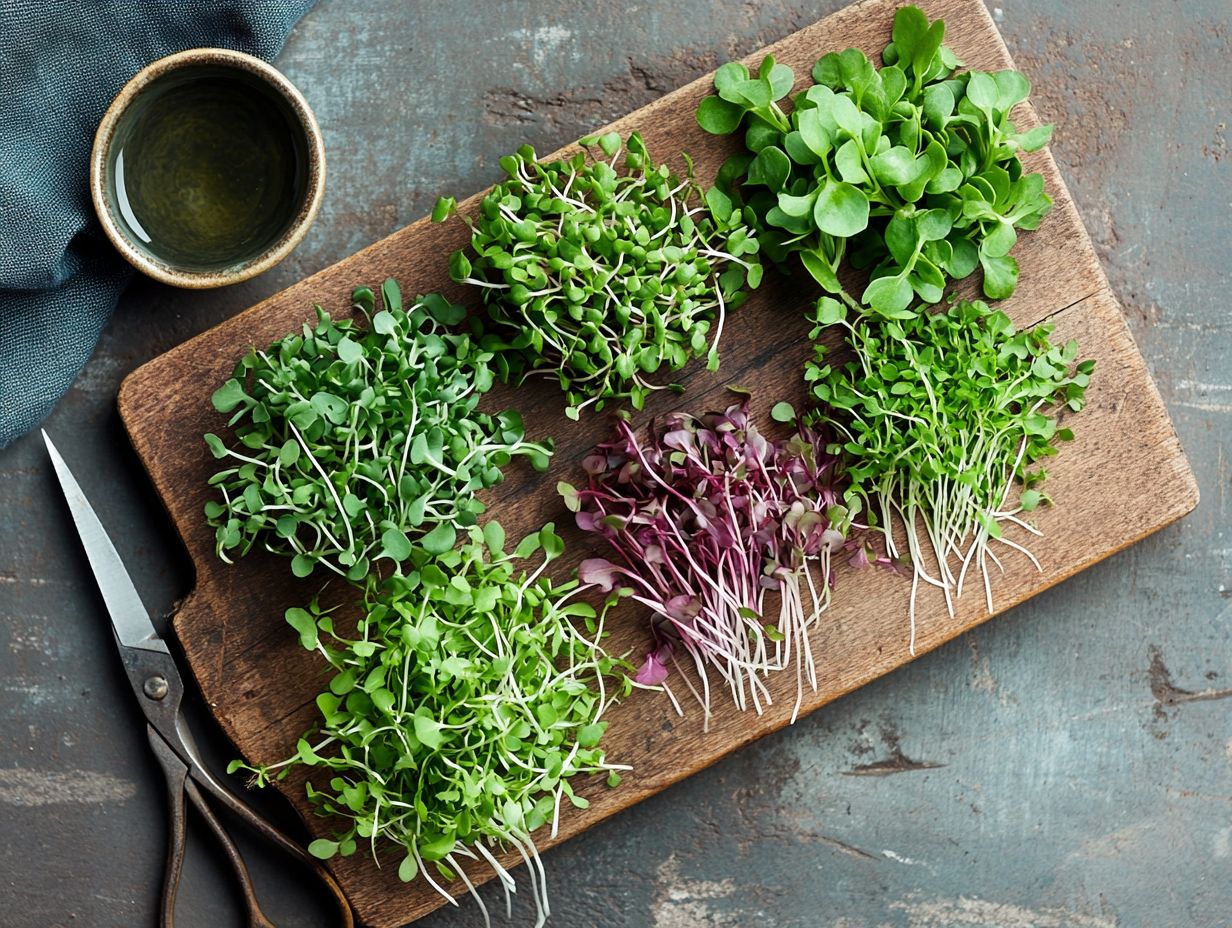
<point>256,917</point>
<point>176,773</point>
<point>185,783</point>
<point>275,837</point>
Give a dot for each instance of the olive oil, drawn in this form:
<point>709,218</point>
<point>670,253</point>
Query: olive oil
<point>209,168</point>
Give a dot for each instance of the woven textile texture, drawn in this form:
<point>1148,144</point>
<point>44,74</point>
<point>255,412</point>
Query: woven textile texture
<point>61,63</point>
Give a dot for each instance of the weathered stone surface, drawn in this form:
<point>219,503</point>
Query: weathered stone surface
<point>1068,765</point>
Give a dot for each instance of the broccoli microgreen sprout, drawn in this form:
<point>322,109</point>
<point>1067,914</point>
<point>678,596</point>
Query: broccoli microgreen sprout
<point>939,417</point>
<point>603,269</point>
<point>460,713</point>
<point>357,444</point>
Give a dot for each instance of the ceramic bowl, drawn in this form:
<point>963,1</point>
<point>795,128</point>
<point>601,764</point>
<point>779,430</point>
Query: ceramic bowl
<point>286,233</point>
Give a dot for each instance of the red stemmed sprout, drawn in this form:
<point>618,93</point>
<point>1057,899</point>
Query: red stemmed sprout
<point>704,516</point>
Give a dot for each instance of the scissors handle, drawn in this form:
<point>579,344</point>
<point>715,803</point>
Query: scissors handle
<point>183,783</point>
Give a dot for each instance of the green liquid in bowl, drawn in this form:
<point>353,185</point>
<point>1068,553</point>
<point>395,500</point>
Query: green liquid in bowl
<point>208,168</point>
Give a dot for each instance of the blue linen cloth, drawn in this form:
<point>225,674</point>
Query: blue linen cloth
<point>61,63</point>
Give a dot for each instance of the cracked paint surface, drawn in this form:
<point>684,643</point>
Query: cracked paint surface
<point>1067,765</point>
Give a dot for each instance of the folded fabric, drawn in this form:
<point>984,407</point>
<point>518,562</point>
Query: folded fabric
<point>61,63</point>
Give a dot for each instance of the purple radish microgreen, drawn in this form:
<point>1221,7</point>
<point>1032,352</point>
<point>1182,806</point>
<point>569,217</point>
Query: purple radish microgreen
<point>703,517</point>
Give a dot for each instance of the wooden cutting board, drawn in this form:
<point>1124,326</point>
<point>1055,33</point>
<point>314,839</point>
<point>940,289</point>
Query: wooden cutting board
<point>1124,477</point>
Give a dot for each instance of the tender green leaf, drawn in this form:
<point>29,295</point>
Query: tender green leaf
<point>783,412</point>
<point>719,117</point>
<point>349,351</point>
<point>982,91</point>
<point>217,448</point>
<point>895,166</point>
<point>303,622</point>
<point>850,163</point>
<point>1000,275</point>
<point>729,76</point>
<point>460,267</point>
<point>395,544</point>
<point>444,208</point>
<point>829,311</point>
<point>820,271</point>
<point>889,296</point>
<point>841,209</point>
<point>323,849</point>
<point>440,539</point>
<point>428,731</point>
<point>228,396</point>
<point>770,168</point>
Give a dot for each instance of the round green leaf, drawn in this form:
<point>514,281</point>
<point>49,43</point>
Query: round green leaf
<point>783,412</point>
<point>770,168</point>
<point>228,396</point>
<point>1000,276</point>
<point>841,209</point>
<point>323,849</point>
<point>797,206</point>
<point>830,311</point>
<point>982,90</point>
<point>395,544</point>
<point>933,225</point>
<point>729,76</point>
<point>895,166</point>
<point>889,296</point>
<point>814,135</point>
<point>719,117</point>
<point>440,539</point>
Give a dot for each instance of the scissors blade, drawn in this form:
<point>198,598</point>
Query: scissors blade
<point>129,617</point>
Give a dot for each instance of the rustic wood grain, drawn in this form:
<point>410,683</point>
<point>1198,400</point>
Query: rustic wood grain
<point>1124,477</point>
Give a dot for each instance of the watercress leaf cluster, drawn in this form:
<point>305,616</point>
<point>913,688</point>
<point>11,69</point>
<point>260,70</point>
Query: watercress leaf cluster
<point>603,269</point>
<point>938,417</point>
<point>909,171</point>
<point>359,444</point>
<point>460,711</point>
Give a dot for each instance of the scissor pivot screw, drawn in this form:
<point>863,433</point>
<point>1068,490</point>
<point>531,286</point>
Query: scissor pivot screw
<point>155,687</point>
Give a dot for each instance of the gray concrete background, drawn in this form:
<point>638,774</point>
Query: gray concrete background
<point>1069,764</point>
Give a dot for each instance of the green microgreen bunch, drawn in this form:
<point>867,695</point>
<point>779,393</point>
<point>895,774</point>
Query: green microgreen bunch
<point>941,415</point>
<point>603,268</point>
<point>354,442</point>
<point>910,170</point>
<point>461,711</point>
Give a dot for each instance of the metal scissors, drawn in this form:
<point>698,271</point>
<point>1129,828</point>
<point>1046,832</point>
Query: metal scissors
<point>160,689</point>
